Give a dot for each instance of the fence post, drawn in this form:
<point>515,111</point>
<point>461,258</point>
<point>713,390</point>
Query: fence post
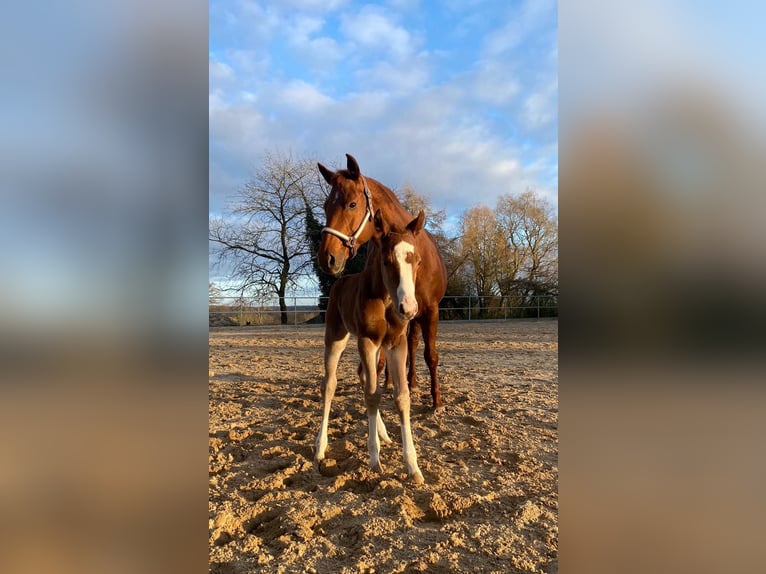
<point>469,307</point>
<point>538,307</point>
<point>295,310</point>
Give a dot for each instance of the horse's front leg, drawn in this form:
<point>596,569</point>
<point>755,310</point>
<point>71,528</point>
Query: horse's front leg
<point>369,374</point>
<point>396,359</point>
<point>335,343</point>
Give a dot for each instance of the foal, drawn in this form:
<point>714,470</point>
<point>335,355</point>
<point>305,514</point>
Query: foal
<point>376,305</point>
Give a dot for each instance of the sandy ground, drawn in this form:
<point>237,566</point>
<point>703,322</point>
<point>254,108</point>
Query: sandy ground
<point>490,500</point>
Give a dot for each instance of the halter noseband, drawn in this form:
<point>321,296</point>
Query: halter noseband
<point>350,241</point>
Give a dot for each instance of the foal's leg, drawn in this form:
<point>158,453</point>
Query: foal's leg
<point>383,382</point>
<point>396,358</point>
<point>368,355</point>
<point>413,335</point>
<point>334,344</point>
<point>430,325</point>
<point>382,432</point>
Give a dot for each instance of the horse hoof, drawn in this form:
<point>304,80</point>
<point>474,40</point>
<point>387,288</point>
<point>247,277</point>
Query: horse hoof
<point>417,478</point>
<point>377,468</point>
<point>439,410</point>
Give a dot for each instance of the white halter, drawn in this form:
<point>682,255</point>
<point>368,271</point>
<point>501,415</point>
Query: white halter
<point>350,240</point>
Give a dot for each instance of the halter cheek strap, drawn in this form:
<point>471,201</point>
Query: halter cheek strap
<point>350,240</point>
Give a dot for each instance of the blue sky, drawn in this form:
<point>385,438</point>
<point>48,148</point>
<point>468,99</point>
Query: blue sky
<point>458,99</point>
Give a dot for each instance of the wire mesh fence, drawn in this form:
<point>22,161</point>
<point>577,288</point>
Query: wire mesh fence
<point>307,310</point>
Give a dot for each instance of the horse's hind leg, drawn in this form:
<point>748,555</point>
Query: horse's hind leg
<point>413,334</point>
<point>383,382</point>
<point>396,358</point>
<point>430,325</point>
<point>334,345</point>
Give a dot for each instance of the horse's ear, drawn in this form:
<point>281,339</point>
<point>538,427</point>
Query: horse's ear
<point>326,173</point>
<point>380,224</point>
<point>353,167</point>
<point>417,224</point>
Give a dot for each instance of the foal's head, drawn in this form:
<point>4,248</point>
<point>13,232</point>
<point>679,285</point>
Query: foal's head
<point>400,262</point>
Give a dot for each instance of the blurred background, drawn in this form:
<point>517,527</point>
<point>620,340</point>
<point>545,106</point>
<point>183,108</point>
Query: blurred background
<point>103,200</point>
<point>662,280</point>
<point>103,176</point>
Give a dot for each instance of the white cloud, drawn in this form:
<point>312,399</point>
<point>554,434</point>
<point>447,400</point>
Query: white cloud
<point>215,101</point>
<point>429,139</point>
<point>430,142</point>
<point>505,167</point>
<point>495,82</point>
<point>366,106</point>
<point>237,128</point>
<point>321,53</point>
<point>397,78</point>
<point>404,5</point>
<point>371,28</point>
<point>219,71</point>
<point>521,23</point>
<point>261,22</point>
<point>304,97</point>
<point>249,62</point>
<point>314,5</point>
<point>541,107</point>
<point>303,27</point>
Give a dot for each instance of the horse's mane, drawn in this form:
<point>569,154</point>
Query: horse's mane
<point>381,189</point>
<point>405,215</point>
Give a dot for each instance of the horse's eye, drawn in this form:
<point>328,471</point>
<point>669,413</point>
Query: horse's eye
<point>352,205</point>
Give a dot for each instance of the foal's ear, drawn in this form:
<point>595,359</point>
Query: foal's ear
<point>381,226</point>
<point>353,167</point>
<point>326,173</point>
<point>417,224</point>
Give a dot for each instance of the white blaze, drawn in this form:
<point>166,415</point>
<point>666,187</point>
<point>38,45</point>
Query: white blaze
<point>405,293</point>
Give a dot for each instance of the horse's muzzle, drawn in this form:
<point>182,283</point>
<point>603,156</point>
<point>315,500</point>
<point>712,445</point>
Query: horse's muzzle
<point>333,265</point>
<point>407,309</point>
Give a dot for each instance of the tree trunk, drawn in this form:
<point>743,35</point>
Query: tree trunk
<point>282,310</point>
<point>282,289</point>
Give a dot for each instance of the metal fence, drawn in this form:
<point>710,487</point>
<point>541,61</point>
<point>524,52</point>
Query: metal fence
<point>302,310</point>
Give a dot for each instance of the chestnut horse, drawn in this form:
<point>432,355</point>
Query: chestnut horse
<point>348,208</point>
<point>376,305</point>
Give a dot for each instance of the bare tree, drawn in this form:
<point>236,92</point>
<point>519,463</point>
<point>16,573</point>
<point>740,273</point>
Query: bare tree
<point>414,202</point>
<point>529,225</point>
<point>263,239</point>
<point>483,249</point>
<point>213,293</point>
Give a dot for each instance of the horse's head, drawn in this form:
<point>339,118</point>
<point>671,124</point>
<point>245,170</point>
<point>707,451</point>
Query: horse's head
<point>400,262</point>
<point>347,209</point>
